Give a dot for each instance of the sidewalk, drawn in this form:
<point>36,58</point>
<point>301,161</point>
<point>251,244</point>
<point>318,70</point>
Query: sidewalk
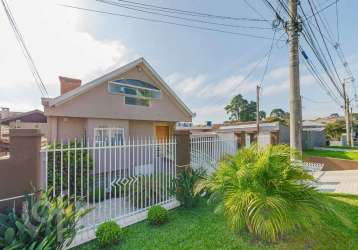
<point>338,181</point>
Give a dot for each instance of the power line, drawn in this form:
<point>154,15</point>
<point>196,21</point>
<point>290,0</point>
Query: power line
<point>315,73</point>
<point>314,44</point>
<point>25,50</point>
<point>323,9</point>
<point>256,11</point>
<point>139,9</point>
<point>167,22</point>
<point>246,76</point>
<point>337,21</point>
<point>324,42</point>
<point>191,13</point>
<point>268,57</point>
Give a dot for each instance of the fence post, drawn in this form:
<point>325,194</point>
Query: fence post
<point>21,173</point>
<point>183,149</point>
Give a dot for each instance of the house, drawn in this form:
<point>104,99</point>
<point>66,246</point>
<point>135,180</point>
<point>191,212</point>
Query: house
<point>34,119</point>
<point>131,101</point>
<point>4,129</point>
<point>246,133</point>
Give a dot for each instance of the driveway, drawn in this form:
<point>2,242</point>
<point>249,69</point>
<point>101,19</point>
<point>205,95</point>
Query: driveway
<point>345,181</point>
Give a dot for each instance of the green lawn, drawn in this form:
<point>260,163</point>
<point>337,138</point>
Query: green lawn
<point>344,147</point>
<point>333,154</point>
<point>201,229</point>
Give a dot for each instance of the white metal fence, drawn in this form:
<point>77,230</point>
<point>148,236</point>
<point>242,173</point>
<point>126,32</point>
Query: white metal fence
<point>119,181</point>
<point>206,152</point>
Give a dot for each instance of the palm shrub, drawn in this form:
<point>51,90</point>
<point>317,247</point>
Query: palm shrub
<point>185,183</point>
<point>71,169</point>
<point>263,191</point>
<point>46,222</point>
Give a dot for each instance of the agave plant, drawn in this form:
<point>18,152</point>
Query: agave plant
<point>263,191</point>
<point>45,222</point>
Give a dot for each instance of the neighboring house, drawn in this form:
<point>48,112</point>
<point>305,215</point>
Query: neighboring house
<point>4,129</point>
<point>34,119</point>
<point>131,101</point>
<point>329,119</point>
<point>246,133</point>
<point>313,135</point>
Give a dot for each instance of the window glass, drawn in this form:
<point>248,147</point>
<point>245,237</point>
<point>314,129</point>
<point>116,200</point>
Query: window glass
<point>108,136</point>
<point>135,89</point>
<point>136,101</point>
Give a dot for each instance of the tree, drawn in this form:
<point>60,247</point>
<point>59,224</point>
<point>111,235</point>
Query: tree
<point>334,130</point>
<point>240,109</point>
<point>280,113</point>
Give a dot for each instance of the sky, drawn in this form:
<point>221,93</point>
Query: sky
<point>205,68</point>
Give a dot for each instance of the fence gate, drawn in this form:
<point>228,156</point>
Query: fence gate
<point>119,180</point>
<point>206,152</point>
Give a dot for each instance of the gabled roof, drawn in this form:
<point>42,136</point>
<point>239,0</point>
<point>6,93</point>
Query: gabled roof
<point>30,116</point>
<point>96,82</point>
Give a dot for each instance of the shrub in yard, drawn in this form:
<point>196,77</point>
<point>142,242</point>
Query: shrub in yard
<point>109,233</point>
<point>46,222</point>
<point>76,164</point>
<point>157,215</point>
<point>185,183</point>
<point>263,191</point>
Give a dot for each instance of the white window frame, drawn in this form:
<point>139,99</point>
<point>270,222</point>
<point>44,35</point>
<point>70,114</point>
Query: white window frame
<point>110,131</point>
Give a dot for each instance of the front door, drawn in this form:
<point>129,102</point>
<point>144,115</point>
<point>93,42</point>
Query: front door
<point>162,132</point>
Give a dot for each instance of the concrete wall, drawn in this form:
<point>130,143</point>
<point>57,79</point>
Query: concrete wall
<point>20,173</point>
<point>284,134</point>
<point>311,139</point>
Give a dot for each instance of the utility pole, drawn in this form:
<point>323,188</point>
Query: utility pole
<point>295,97</point>
<point>352,129</point>
<point>346,113</point>
<point>258,111</point>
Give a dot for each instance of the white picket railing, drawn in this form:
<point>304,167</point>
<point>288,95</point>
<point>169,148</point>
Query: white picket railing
<point>206,152</point>
<point>119,182</point>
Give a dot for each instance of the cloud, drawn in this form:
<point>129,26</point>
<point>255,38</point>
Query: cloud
<point>229,86</point>
<point>275,88</point>
<point>214,113</point>
<point>186,85</point>
<point>58,47</point>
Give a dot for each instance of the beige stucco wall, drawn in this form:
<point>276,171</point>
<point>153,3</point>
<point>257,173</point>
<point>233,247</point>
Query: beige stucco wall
<point>71,128</point>
<point>141,129</point>
<point>98,103</point>
<point>65,128</point>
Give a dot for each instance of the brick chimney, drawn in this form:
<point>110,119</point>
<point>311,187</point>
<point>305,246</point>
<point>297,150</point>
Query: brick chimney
<point>68,84</point>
